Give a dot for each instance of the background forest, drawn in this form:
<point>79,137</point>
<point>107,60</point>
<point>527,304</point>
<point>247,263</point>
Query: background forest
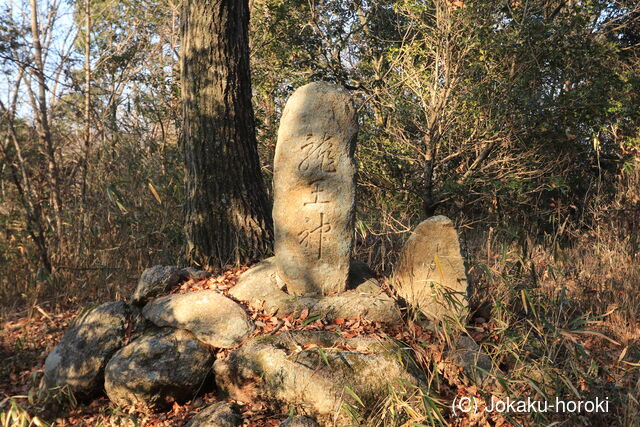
<point>518,119</point>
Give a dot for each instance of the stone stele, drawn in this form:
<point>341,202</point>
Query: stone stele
<point>431,274</point>
<point>314,189</point>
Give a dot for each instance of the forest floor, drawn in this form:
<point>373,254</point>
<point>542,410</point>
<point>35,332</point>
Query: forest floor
<point>571,354</point>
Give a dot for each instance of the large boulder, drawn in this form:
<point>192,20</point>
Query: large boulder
<point>79,359</point>
<point>210,316</point>
<point>157,280</point>
<point>220,414</point>
<point>315,373</point>
<point>157,369</point>
<point>314,187</point>
<point>259,286</point>
<point>430,274</point>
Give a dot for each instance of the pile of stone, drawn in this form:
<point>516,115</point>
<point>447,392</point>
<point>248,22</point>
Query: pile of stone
<point>160,348</point>
<point>152,352</point>
<point>156,351</point>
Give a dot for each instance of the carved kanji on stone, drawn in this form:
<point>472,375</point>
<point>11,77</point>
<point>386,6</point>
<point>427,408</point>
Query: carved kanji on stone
<point>316,193</point>
<point>318,152</point>
<point>312,236</point>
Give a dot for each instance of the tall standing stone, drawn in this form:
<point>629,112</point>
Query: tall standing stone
<point>430,274</point>
<point>314,189</point>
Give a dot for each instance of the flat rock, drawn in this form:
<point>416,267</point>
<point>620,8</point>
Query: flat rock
<point>155,281</point>
<point>79,359</point>
<point>430,274</point>
<point>258,286</point>
<point>220,414</point>
<point>210,316</point>
<point>314,187</point>
<point>157,369</point>
<point>314,372</point>
<point>299,421</point>
<point>475,363</point>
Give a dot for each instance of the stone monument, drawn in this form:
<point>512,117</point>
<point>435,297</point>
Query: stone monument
<point>314,190</point>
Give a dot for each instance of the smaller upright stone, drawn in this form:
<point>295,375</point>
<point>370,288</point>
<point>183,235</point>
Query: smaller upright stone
<point>430,274</point>
<point>314,190</point>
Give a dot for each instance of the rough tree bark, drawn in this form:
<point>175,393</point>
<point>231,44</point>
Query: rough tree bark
<point>227,212</point>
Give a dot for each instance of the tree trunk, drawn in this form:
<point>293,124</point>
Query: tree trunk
<point>227,212</point>
<point>42,119</point>
<point>87,126</point>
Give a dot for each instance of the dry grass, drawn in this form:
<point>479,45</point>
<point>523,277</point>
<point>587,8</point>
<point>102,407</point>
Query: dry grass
<point>558,314</point>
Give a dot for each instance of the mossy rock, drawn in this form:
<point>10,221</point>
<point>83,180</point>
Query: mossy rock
<point>317,373</point>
